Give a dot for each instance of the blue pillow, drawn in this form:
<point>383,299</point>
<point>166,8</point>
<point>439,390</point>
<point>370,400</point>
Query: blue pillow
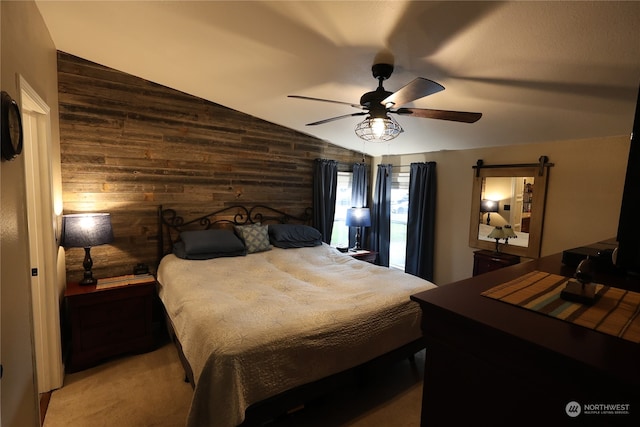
<point>207,244</point>
<point>294,236</point>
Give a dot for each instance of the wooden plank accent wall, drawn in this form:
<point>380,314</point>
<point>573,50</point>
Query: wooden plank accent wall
<point>129,145</point>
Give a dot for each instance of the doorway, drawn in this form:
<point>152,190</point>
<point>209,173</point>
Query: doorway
<point>43,248</point>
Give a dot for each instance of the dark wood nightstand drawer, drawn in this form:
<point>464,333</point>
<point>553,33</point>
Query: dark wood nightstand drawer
<point>99,314</point>
<point>110,334</point>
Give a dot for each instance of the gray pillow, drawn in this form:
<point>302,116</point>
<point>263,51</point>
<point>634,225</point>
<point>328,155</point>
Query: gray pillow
<point>255,237</point>
<point>207,244</point>
<point>294,236</point>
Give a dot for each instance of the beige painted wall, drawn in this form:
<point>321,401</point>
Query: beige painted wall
<point>26,49</point>
<point>583,197</point>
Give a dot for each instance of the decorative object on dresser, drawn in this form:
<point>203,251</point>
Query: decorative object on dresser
<point>84,231</point>
<point>111,318</point>
<point>485,261</point>
<point>358,217</point>
<point>580,288</point>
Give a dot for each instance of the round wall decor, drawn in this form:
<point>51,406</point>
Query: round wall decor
<point>11,131</point>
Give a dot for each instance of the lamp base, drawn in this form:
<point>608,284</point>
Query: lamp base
<point>579,292</point>
<point>87,264</point>
<point>357,246</point>
<point>88,278</point>
<point>90,281</point>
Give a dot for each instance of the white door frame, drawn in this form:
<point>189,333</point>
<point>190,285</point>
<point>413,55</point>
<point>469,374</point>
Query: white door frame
<point>43,250</point>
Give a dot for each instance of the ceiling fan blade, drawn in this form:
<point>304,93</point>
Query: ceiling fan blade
<point>362,113</point>
<point>454,116</point>
<point>416,89</point>
<point>325,100</point>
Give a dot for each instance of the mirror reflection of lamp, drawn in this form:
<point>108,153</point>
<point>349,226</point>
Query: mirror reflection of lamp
<point>85,231</point>
<point>487,206</point>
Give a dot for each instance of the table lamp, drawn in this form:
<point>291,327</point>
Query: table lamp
<point>84,231</point>
<point>497,233</point>
<point>508,234</point>
<point>358,217</point>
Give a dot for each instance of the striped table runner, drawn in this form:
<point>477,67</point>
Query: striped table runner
<point>616,313</point>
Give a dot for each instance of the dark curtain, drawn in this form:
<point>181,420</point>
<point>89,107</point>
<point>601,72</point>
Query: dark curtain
<point>421,220</point>
<point>359,185</point>
<point>381,215</point>
<point>325,182</point>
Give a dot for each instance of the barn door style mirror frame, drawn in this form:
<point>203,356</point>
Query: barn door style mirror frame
<point>509,195</point>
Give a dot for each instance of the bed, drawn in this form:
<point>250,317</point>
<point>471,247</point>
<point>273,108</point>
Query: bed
<point>251,327</point>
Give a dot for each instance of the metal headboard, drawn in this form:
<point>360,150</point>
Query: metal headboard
<point>170,224</point>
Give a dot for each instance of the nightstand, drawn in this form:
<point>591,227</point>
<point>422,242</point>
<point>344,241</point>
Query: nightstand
<point>485,261</point>
<point>364,255</point>
<point>111,318</point>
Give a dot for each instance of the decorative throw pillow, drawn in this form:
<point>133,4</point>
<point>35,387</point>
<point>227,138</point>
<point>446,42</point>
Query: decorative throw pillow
<point>294,236</point>
<point>207,244</point>
<point>255,237</point>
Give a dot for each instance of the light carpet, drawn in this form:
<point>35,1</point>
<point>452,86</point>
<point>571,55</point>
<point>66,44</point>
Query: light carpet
<point>148,390</point>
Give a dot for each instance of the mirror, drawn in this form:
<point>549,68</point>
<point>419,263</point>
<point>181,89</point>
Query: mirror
<point>509,195</point>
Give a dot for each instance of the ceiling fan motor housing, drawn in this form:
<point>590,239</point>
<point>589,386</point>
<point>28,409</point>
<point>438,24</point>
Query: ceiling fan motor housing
<point>382,71</point>
<point>372,101</point>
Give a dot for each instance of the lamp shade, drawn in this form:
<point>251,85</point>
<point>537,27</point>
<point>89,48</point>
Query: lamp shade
<point>508,232</point>
<point>86,230</point>
<point>488,205</point>
<point>496,233</point>
<point>378,129</point>
<point>358,217</point>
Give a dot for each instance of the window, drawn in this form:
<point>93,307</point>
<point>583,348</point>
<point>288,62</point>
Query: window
<point>399,215</point>
<point>340,233</point>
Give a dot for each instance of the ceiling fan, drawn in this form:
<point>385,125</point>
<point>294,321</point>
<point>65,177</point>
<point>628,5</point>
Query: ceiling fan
<point>378,104</point>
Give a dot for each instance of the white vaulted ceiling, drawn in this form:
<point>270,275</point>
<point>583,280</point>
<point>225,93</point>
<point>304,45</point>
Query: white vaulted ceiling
<point>538,71</point>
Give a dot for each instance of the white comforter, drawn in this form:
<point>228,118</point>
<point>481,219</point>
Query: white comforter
<point>254,326</point>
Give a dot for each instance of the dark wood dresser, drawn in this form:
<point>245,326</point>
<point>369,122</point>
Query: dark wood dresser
<point>492,363</point>
<point>102,323</point>
<point>485,261</point>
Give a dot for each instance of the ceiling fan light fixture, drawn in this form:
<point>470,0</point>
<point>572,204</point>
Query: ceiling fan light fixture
<point>378,129</point>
